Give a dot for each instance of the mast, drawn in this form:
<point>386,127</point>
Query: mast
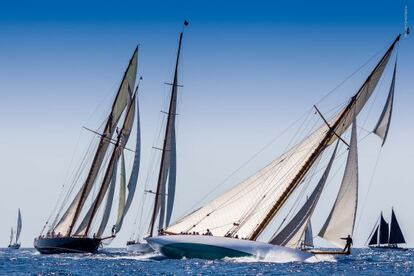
<point>319,149</point>
<point>107,134</point>
<point>171,113</point>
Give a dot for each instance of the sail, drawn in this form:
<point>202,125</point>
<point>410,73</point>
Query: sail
<point>164,197</point>
<point>19,225</point>
<point>383,125</point>
<point>133,179</point>
<point>308,236</point>
<point>341,220</point>
<point>122,139</point>
<point>383,231</point>
<point>374,237</point>
<point>70,217</point>
<point>292,234</point>
<point>11,236</point>
<point>249,207</point>
<point>122,191</point>
<point>108,205</point>
<point>396,235</point>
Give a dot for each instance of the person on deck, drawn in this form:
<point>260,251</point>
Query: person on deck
<point>113,230</point>
<point>348,243</point>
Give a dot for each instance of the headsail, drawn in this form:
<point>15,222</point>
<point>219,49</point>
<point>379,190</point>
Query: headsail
<point>374,237</point>
<point>19,226</point>
<point>383,231</point>
<point>248,208</point>
<point>69,218</point>
<point>163,203</point>
<point>122,191</point>
<point>11,236</point>
<point>396,235</point>
<point>341,220</point>
<point>308,235</point>
<point>292,234</point>
<point>383,125</point>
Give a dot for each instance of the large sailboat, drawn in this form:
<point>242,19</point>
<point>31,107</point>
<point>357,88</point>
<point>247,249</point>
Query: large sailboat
<point>14,240</point>
<point>164,193</point>
<point>81,223</point>
<point>233,224</point>
<point>385,236</point>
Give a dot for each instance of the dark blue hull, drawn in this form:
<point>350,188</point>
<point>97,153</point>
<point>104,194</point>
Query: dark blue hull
<point>14,246</point>
<point>67,245</point>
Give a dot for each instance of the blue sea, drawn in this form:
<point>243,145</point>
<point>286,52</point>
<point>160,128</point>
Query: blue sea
<point>120,262</point>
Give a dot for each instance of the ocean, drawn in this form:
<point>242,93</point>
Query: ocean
<point>119,262</point>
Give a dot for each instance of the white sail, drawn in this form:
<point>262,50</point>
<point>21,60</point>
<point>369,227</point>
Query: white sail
<point>293,233</point>
<point>69,218</point>
<point>122,191</point>
<point>308,235</point>
<point>341,220</point>
<point>383,125</point>
<point>248,205</point>
<point>19,226</point>
<point>108,205</point>
<point>11,236</point>
<point>133,179</point>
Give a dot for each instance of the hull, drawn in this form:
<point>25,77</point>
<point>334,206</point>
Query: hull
<point>14,246</point>
<point>210,247</point>
<point>67,245</point>
<point>140,248</point>
<point>387,247</point>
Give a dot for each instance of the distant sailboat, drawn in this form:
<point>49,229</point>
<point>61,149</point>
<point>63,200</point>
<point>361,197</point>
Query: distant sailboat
<point>386,236</point>
<point>14,243</point>
<point>231,224</point>
<point>82,226</point>
<point>165,192</point>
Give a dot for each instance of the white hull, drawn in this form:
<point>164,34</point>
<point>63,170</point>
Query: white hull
<point>140,248</point>
<point>211,247</point>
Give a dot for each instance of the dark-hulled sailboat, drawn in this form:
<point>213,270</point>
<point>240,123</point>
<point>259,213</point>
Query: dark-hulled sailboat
<point>14,240</point>
<point>164,193</point>
<point>232,224</point>
<point>387,236</point>
<point>81,227</point>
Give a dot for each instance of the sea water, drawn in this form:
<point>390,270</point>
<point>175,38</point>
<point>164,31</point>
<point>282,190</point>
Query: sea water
<point>120,262</point>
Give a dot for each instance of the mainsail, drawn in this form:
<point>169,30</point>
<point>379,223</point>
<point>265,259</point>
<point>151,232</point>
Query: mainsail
<point>11,236</point>
<point>396,235</point>
<point>19,226</point>
<point>165,193</point>
<point>383,231</point>
<point>70,217</point>
<point>293,233</point>
<point>341,220</point>
<point>383,125</point>
<point>248,208</point>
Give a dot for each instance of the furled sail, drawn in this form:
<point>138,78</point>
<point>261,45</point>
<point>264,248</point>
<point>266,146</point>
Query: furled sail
<point>396,235</point>
<point>122,139</point>
<point>19,225</point>
<point>383,125</point>
<point>133,179</point>
<point>292,234</point>
<point>374,237</point>
<point>341,220</point>
<point>108,205</point>
<point>248,208</point>
<point>69,218</point>
<point>383,231</point>
<point>164,196</point>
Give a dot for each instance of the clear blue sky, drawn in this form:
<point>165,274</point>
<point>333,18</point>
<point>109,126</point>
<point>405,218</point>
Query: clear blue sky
<point>249,69</point>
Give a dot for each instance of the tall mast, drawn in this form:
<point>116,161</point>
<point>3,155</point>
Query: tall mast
<point>320,148</point>
<point>107,130</point>
<point>164,148</point>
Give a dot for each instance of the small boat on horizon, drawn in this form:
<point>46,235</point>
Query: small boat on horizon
<point>80,224</point>
<point>387,236</point>
<point>14,243</point>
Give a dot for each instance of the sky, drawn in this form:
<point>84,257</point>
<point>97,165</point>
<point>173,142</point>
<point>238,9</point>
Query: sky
<point>249,69</point>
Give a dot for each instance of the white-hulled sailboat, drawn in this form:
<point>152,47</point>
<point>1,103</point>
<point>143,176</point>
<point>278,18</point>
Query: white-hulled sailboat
<point>164,194</point>
<point>82,227</point>
<point>14,240</point>
<point>387,236</point>
<point>231,224</point>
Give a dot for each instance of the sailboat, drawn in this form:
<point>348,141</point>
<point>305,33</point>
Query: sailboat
<point>164,194</point>
<point>232,224</point>
<point>82,220</point>
<point>14,243</point>
<point>386,236</point>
